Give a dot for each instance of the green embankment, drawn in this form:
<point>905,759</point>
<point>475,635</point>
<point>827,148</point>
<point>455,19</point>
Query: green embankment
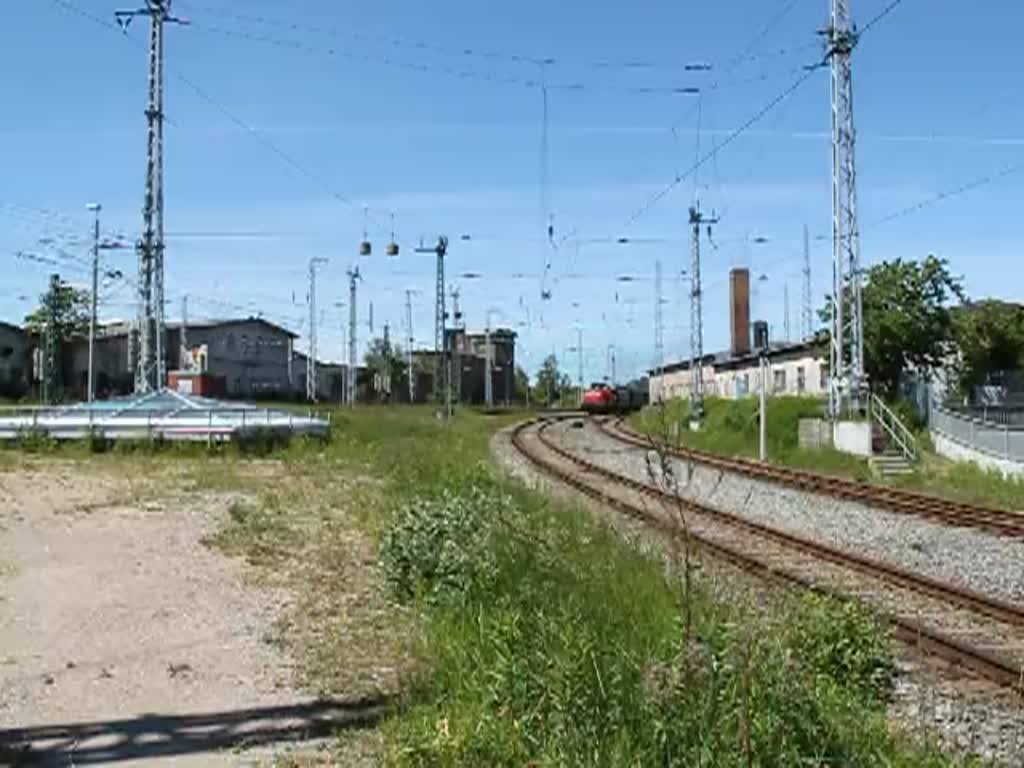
<point>731,428</point>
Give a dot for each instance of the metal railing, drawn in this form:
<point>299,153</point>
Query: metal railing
<point>1003,441</point>
<point>884,416</point>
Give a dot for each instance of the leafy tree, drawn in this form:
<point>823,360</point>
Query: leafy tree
<point>990,338</point>
<point>550,382</point>
<point>72,312</point>
<point>520,384</point>
<point>908,318</point>
<point>383,358</point>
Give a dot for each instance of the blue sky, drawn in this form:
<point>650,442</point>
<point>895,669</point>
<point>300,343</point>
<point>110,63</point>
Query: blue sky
<point>285,123</point>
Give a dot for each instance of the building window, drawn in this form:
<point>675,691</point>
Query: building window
<point>824,378</point>
<point>742,385</point>
<point>801,380</point>
<point>779,383</point>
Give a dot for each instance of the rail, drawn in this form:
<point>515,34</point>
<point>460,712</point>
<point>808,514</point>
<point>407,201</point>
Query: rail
<point>908,627</point>
<point>997,521</point>
<point>894,428</point>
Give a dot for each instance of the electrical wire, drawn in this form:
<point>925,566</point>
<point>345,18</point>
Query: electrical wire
<point>284,156</point>
<point>461,51</point>
<point>713,152</point>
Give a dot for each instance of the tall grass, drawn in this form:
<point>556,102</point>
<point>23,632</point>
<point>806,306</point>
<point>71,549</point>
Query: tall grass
<point>570,650</point>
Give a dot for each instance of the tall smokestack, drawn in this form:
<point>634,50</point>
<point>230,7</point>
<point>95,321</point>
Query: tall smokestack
<point>739,310</point>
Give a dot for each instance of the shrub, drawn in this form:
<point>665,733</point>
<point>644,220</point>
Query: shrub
<point>260,441</point>
<point>441,548</point>
<point>36,441</point>
<point>843,642</point>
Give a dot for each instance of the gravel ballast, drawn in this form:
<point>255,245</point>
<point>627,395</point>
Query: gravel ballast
<point>984,562</point>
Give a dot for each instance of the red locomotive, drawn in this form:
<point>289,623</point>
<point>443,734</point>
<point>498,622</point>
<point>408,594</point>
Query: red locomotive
<point>600,398</point>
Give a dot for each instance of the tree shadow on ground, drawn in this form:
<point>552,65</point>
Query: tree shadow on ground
<point>152,736</point>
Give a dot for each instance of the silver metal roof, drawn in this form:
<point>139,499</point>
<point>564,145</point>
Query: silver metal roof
<point>164,414</point>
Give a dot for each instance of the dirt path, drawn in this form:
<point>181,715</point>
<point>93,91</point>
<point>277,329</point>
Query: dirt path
<point>124,639</point>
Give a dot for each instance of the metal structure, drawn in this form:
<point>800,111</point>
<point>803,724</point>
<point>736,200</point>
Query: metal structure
<point>350,379</point>
<point>52,384</point>
<point>807,309</point>
<point>149,359</point>
<point>442,382</point>
<point>785,311</point>
<point>848,384</point>
<point>409,341</point>
<point>184,328</point>
<point>91,382</point>
<point>488,365</point>
<point>659,323</point>
<point>696,318</point>
<point>164,415</point>
<point>311,393</point>
<point>455,374</point>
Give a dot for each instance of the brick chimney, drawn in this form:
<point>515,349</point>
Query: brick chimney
<point>739,311</point>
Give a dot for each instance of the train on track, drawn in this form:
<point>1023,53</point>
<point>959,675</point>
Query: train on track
<point>603,398</point>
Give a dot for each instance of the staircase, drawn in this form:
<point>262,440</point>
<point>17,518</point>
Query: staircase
<point>894,446</point>
<point>890,463</point>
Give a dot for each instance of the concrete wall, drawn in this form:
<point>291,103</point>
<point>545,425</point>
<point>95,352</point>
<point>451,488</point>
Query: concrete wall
<point>951,449</point>
<point>852,437</point>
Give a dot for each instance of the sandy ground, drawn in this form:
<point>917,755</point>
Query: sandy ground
<point>125,640</point>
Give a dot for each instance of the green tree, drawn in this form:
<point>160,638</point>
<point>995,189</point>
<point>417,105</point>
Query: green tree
<point>71,309</point>
<point>989,336</point>
<point>908,318</point>
<point>549,381</point>
<point>520,385</point>
<point>384,360</point>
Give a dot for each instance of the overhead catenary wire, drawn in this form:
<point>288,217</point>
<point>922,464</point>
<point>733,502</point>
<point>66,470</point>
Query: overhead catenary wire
<point>472,52</point>
<point>232,116</point>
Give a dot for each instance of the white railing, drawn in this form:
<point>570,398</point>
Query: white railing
<point>887,419</point>
<point>1000,441</point>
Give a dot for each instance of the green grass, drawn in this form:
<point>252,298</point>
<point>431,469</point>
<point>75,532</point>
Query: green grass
<point>521,631</point>
<point>731,428</point>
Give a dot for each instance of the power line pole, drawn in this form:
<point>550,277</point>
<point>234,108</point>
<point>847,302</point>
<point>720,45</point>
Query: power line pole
<point>353,372</point>
<point>488,365</point>
<point>847,379</point>
<point>91,385</point>
<point>442,384</point>
<point>51,357</point>
<point>696,318</point>
<point>311,360</point>
<point>150,363</point>
<point>456,353</point>
<point>806,310</point>
<point>785,309</point>
<point>659,325</point>
<point>184,329</point>
<point>385,378</point>
<point>579,353</point>
<point>409,341</point>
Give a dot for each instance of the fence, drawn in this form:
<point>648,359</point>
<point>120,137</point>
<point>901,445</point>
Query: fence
<point>999,441</point>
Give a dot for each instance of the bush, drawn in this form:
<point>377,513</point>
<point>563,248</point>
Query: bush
<point>260,441</point>
<point>36,441</point>
<point>843,642</point>
<point>441,548</point>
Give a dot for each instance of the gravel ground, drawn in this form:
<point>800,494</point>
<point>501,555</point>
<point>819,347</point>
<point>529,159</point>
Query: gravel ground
<point>963,713</point>
<point>124,639</point>
<point>974,559</point>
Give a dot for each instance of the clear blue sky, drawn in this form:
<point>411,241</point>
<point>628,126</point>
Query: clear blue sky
<point>431,111</point>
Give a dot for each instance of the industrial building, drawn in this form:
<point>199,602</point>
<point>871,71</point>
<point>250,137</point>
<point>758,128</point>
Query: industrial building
<point>15,367</point>
<point>254,358</point>
<point>794,368</point>
<point>469,352</point>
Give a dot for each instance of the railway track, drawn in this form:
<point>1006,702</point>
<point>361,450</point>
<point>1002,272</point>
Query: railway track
<point>964,628</point>
<point>998,522</point>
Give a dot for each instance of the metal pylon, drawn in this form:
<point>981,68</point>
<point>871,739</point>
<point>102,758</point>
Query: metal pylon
<point>848,383</point>
<point>150,363</point>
